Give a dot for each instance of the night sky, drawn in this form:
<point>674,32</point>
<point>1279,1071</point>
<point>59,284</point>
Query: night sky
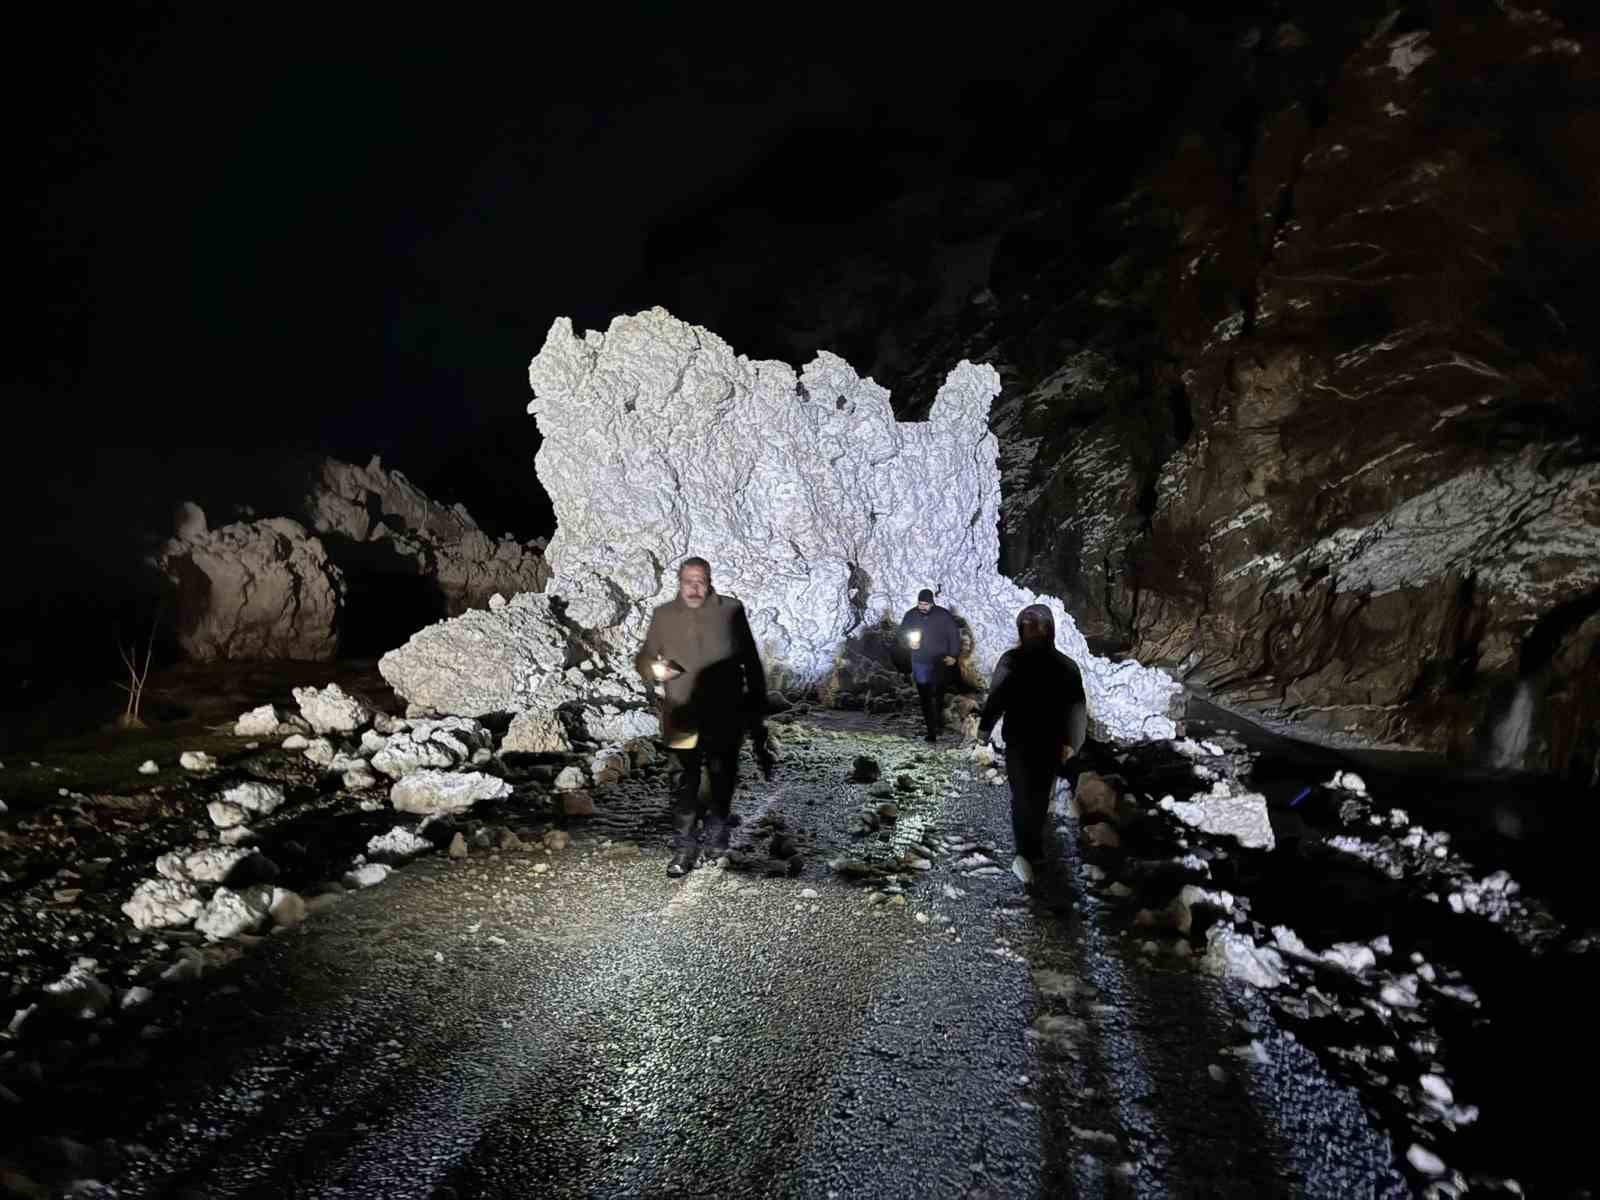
<point>251,235</point>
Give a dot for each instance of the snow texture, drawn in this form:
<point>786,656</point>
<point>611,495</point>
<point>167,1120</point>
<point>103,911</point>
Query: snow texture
<point>659,442</point>
<point>329,710</point>
<point>224,815</point>
<point>428,792</point>
<point>210,865</point>
<point>1226,813</point>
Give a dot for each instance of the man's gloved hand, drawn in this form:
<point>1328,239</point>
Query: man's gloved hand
<point>761,747</point>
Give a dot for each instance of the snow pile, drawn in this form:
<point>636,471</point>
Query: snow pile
<point>814,505</point>
<point>1233,955</point>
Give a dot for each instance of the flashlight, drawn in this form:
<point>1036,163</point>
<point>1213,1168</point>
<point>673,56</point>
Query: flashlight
<point>914,638</point>
<point>659,668</point>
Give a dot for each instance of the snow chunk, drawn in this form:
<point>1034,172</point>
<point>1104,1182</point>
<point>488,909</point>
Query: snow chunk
<point>429,792</point>
<point>148,767</point>
<point>197,760</point>
<point>571,779</point>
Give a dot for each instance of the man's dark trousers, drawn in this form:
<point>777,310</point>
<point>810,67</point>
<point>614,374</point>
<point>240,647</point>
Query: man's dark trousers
<point>721,768</point>
<point>932,696</point>
<point>1032,781</point>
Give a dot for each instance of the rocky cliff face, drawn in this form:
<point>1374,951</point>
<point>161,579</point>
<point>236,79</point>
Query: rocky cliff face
<point>1299,397</point>
<point>256,589</point>
<point>375,560</point>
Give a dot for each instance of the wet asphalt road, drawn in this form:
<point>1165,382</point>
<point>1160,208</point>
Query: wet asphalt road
<point>482,1028</point>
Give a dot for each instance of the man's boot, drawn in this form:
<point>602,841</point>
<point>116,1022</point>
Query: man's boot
<point>683,861</point>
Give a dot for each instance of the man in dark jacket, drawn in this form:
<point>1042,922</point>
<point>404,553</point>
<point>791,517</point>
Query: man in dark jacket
<point>934,639</point>
<point>700,655</point>
<point>1039,692</point>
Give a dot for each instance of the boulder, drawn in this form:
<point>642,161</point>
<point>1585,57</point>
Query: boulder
<point>396,846</point>
<point>367,875</point>
<point>79,992</point>
<point>375,521</point>
<point>779,471</point>
<point>438,744</point>
<point>230,913</point>
<point>258,799</point>
<point>330,710</point>
<point>260,722</point>
<point>427,793</point>
<point>608,766</point>
<point>571,779</point>
<point>536,732</point>
<point>197,761</point>
<point>1226,813</point>
<point>261,589</point>
<point>164,903</point>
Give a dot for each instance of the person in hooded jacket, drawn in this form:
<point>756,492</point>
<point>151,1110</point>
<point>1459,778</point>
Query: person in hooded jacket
<point>1039,692</point>
<point>934,640</point>
<point>700,654</point>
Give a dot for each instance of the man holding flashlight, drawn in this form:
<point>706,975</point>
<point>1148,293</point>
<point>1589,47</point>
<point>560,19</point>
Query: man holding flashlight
<point>934,640</point>
<point>700,658</point>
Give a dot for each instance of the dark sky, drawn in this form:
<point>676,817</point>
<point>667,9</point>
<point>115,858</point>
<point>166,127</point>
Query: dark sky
<point>245,235</point>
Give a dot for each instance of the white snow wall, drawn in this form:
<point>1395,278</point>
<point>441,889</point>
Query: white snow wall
<point>661,442</point>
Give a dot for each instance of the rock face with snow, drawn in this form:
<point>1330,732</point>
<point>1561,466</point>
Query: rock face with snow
<point>428,792</point>
<point>261,589</point>
<point>815,506</point>
<point>377,520</point>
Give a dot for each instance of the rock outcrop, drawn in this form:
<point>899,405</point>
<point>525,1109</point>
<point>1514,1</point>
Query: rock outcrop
<point>377,520</point>
<point>1306,411</point>
<point>256,589</point>
<point>816,507</point>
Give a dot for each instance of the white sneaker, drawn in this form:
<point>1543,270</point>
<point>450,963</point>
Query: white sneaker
<point>1022,869</point>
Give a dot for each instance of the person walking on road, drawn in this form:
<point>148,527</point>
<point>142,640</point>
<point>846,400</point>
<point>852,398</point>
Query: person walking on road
<point>934,640</point>
<point>1039,692</point>
<point>701,658</point>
